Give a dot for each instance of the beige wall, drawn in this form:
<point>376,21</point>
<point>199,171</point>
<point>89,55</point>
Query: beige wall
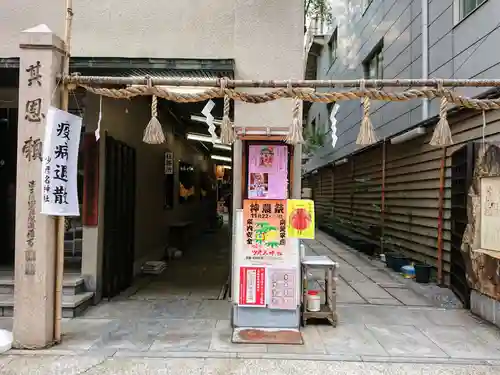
<point>151,28</point>
<point>125,120</point>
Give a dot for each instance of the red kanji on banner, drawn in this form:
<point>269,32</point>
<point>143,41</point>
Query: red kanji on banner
<point>252,286</point>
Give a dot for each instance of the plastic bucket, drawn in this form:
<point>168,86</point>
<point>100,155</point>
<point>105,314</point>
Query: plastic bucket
<point>422,273</point>
<point>313,301</point>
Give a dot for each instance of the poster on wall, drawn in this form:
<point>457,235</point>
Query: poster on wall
<point>60,164</point>
<point>252,290</point>
<point>268,172</point>
<point>283,288</point>
<point>265,231</point>
<point>300,218</point>
<point>490,213</point>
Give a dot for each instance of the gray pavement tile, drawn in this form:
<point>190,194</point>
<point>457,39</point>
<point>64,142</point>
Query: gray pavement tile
<point>405,341</point>
<point>168,309</point>
<point>183,340</point>
<point>82,334</point>
<point>460,342</point>
<point>214,309</point>
<point>351,339</point>
<point>384,301</point>
<point>369,289</point>
<point>409,297</point>
<point>313,343</point>
<point>49,365</point>
<point>442,317</point>
<point>148,366</point>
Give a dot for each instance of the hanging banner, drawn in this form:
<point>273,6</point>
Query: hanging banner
<point>300,218</point>
<point>265,231</point>
<point>283,288</point>
<point>60,164</point>
<point>252,286</point>
<point>268,172</point>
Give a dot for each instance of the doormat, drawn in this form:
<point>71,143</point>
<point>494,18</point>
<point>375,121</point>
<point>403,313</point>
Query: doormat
<point>267,336</point>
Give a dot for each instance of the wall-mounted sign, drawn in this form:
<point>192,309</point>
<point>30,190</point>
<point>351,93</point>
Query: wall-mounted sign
<point>490,213</point>
<point>265,230</point>
<point>300,218</point>
<point>169,163</point>
<point>268,172</point>
<point>252,286</point>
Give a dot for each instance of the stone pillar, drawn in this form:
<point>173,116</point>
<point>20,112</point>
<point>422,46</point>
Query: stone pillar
<point>40,60</point>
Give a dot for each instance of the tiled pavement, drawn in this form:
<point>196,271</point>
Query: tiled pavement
<point>384,327</point>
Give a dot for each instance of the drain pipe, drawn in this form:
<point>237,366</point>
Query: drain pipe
<point>425,54</point>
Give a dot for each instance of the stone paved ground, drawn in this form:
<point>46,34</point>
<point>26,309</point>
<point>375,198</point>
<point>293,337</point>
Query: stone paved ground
<point>385,327</point>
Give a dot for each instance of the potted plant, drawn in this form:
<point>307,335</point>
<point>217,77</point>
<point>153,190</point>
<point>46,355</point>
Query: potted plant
<point>422,273</point>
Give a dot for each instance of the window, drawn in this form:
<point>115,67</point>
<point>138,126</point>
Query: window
<point>468,6</point>
<point>332,46</point>
<point>374,63</point>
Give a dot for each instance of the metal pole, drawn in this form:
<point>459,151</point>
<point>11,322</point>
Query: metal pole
<point>338,84</point>
<point>60,228</point>
<point>425,53</point>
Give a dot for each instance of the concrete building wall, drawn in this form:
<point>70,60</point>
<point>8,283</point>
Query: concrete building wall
<point>458,48</point>
<point>125,120</point>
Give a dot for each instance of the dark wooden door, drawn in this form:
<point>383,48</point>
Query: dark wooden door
<point>462,168</point>
<point>119,217</point>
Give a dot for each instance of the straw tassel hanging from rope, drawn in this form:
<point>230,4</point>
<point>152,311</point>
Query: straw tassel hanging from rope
<point>294,136</point>
<point>153,134</point>
<point>226,129</point>
<point>442,132</point>
<point>366,134</point>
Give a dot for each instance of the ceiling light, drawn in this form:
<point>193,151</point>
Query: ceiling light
<point>221,158</point>
<point>201,138</point>
<point>204,120</point>
<point>222,147</point>
<point>226,166</point>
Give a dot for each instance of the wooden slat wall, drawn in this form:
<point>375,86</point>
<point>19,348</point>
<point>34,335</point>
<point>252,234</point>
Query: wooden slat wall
<point>353,190</point>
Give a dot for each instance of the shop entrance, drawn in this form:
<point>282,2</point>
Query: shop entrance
<point>8,157</point>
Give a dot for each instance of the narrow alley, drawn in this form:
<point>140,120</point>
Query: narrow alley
<point>175,324</point>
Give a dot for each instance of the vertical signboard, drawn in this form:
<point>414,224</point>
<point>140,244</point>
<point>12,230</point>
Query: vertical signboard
<point>252,286</point>
<point>60,164</point>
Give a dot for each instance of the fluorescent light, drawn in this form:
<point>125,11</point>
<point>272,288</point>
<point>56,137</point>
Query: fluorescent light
<point>226,166</point>
<point>340,162</point>
<point>222,147</point>
<point>201,138</point>
<point>221,158</point>
<point>414,133</point>
<point>204,120</point>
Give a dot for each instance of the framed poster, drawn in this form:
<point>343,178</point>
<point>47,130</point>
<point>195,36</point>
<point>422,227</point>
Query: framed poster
<point>252,286</point>
<point>265,231</point>
<point>267,171</point>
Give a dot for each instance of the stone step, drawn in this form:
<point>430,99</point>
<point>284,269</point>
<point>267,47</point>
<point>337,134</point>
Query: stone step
<point>73,305</point>
<point>72,285</point>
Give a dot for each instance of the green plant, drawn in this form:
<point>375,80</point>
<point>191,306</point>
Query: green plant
<point>314,139</point>
<point>319,9</point>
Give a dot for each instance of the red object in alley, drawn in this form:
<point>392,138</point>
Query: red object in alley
<point>90,205</point>
<point>252,286</point>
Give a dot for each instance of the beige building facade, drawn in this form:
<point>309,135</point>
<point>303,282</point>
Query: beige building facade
<point>242,39</point>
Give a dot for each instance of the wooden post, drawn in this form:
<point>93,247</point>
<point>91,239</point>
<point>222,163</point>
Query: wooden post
<point>440,220</point>
<point>60,227</point>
